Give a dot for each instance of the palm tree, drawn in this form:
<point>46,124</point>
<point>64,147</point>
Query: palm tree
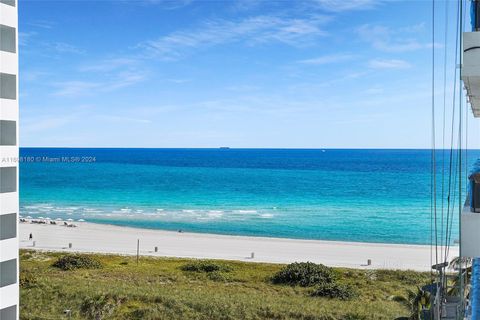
<point>457,262</point>
<point>464,263</point>
<point>416,302</point>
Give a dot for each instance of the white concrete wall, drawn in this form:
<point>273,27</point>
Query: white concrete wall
<point>470,233</point>
<point>9,294</point>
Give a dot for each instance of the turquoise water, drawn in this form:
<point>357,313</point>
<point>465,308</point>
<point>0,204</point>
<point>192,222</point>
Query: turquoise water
<point>351,195</point>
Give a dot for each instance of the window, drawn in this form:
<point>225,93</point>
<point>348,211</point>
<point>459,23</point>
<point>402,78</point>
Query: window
<point>8,226</point>
<point>8,133</point>
<point>9,2</point>
<point>7,39</point>
<point>9,313</point>
<point>8,272</point>
<point>8,179</point>
<point>8,86</point>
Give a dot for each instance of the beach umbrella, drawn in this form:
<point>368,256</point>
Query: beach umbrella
<point>69,219</point>
<point>48,218</point>
<point>81,220</point>
<point>29,217</point>
<point>41,218</point>
<point>58,219</point>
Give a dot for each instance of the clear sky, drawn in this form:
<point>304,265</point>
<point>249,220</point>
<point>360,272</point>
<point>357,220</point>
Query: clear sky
<point>314,74</point>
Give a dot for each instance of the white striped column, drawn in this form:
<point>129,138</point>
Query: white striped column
<point>9,289</point>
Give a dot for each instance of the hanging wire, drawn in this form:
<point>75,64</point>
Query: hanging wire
<point>443,127</point>
<point>460,185</point>
<point>466,116</point>
<point>433,180</point>
<point>452,211</point>
<point>452,164</point>
<point>434,138</point>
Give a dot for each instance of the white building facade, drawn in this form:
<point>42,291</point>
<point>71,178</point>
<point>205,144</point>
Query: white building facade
<point>470,218</point>
<point>9,289</point>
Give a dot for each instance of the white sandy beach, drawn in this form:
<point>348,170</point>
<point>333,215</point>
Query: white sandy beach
<point>89,237</point>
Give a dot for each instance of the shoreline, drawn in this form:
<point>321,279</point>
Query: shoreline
<point>112,239</point>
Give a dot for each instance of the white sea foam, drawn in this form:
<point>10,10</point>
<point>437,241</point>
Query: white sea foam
<point>215,213</point>
<point>266,215</point>
<point>90,212</point>
<point>31,207</point>
<point>247,211</point>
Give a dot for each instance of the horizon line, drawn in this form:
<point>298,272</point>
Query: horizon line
<point>249,148</point>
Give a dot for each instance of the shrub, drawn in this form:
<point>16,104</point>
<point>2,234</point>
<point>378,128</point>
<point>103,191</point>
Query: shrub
<point>355,316</point>
<point>139,313</point>
<point>27,280</point>
<point>335,291</point>
<point>100,306</point>
<point>304,274</point>
<point>76,261</point>
<point>218,276</point>
<point>206,266</point>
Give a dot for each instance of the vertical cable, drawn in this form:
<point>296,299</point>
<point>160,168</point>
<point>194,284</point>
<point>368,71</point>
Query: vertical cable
<point>432,156</point>
<point>452,165</point>
<point>443,127</point>
<point>460,92</point>
<point>434,170</point>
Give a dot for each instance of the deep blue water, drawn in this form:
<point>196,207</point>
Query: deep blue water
<point>352,195</point>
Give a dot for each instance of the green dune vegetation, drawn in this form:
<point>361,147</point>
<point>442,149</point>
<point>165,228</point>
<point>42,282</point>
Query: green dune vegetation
<point>93,286</point>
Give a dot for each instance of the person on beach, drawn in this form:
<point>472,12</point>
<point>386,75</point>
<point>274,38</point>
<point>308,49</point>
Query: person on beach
<point>30,237</point>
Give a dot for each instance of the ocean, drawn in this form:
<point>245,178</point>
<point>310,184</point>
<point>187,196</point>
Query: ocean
<point>332,194</point>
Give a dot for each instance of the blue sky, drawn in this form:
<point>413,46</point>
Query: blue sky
<point>246,73</point>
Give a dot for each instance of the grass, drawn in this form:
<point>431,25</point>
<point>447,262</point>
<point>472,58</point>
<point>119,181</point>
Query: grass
<point>158,288</point>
